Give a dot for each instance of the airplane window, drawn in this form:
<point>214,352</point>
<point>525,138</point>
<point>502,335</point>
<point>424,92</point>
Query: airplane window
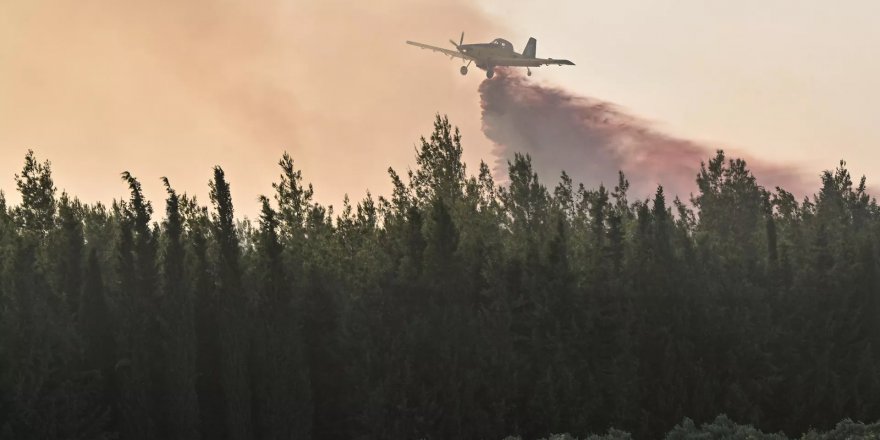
<point>502,42</point>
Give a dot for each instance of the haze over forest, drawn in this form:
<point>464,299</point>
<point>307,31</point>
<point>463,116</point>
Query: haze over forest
<point>660,242</point>
<point>455,308</point>
<point>174,88</point>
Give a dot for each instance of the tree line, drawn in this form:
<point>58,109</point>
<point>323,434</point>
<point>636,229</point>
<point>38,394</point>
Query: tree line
<point>456,307</point>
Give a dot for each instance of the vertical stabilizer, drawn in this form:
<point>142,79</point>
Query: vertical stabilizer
<point>531,48</point>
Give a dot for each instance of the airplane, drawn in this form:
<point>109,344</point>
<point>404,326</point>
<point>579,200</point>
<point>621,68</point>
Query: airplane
<point>498,53</point>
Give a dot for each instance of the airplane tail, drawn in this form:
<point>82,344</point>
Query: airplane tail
<point>531,48</point>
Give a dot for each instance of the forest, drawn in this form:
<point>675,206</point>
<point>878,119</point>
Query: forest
<point>454,308</point>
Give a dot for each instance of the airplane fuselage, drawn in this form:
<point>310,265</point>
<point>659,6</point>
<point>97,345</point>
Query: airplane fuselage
<point>484,53</point>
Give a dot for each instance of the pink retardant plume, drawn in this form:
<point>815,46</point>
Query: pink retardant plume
<point>592,140</point>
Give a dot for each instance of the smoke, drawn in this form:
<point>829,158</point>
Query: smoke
<point>171,88</point>
<point>592,140</point>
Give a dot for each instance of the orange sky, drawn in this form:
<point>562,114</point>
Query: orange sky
<point>788,81</point>
<point>171,88</point>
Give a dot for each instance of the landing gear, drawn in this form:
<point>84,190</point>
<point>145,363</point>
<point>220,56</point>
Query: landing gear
<point>490,72</point>
<point>463,69</point>
<point>528,71</point>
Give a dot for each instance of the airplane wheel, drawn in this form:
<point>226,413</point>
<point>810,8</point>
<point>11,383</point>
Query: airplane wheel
<point>463,70</point>
<point>529,73</point>
<point>490,72</point>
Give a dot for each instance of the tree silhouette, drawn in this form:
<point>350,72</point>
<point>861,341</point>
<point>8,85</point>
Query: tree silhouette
<point>455,307</point>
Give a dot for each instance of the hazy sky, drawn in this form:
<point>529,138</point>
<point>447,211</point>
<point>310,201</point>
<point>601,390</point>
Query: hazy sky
<point>174,87</point>
<point>787,80</point>
<point>170,87</point>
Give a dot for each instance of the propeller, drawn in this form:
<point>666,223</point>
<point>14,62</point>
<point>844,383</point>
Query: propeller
<point>459,43</point>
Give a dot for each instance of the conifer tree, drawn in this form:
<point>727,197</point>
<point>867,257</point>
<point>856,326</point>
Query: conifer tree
<point>98,332</point>
<point>37,210</point>
<point>176,327</point>
<point>70,257</point>
<point>136,289</point>
<point>231,303</point>
<point>282,404</point>
<point>208,381</point>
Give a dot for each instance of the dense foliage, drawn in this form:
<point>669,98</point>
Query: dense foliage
<point>455,308</point>
<point>722,428</point>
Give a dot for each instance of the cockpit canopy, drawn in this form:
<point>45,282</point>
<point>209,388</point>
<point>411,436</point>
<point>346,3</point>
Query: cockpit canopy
<point>502,43</point>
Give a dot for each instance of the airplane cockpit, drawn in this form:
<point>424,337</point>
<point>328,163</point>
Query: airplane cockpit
<point>502,43</point>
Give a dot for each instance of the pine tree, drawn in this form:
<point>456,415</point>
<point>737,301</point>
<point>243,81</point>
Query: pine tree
<point>282,404</point>
<point>98,332</point>
<point>231,303</point>
<point>208,382</point>
<point>37,211</point>
<point>176,327</point>
<point>136,274</point>
<point>71,244</point>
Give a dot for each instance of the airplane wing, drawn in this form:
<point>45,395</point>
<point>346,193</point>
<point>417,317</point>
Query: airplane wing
<point>529,62</point>
<point>451,53</point>
<point>549,61</point>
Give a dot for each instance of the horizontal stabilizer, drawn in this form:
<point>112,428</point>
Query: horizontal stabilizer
<point>559,62</point>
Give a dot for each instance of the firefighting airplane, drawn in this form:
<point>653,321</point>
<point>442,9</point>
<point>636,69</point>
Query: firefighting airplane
<point>498,53</point>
